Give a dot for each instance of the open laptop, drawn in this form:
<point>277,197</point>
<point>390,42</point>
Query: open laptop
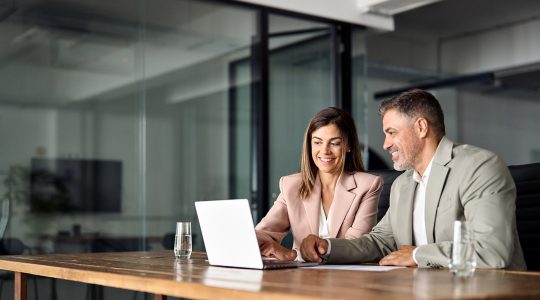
<point>229,236</point>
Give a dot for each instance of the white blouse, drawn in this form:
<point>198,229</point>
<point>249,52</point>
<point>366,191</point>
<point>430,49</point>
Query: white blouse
<point>324,229</point>
<point>324,223</point>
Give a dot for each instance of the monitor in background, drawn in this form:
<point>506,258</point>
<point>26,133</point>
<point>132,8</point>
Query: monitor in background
<point>75,185</point>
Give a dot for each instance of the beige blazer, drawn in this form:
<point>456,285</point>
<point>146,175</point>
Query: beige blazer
<point>353,210</point>
<point>465,182</point>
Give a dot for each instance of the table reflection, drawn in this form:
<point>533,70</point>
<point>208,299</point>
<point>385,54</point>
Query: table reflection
<point>231,278</point>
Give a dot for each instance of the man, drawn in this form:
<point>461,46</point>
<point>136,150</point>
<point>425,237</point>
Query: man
<point>444,182</point>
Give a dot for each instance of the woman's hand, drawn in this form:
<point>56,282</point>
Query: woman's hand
<point>274,249</point>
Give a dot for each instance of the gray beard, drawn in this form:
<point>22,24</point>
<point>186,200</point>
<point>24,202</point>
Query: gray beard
<point>406,165</point>
<point>401,168</point>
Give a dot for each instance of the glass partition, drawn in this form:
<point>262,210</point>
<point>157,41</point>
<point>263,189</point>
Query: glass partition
<point>115,117</point>
<point>69,120</point>
<point>300,84</point>
<point>364,109</point>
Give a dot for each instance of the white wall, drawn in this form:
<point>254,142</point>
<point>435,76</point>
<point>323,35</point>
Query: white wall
<point>415,52</point>
<point>494,49</point>
<point>507,126</point>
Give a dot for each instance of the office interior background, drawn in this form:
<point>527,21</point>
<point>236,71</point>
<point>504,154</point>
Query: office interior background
<point>116,116</point>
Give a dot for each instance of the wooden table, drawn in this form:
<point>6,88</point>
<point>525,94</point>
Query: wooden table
<point>160,274</point>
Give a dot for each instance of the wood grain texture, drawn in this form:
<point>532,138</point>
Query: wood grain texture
<point>160,274</point>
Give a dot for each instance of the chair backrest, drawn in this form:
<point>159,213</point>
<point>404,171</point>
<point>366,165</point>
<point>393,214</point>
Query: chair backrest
<point>527,180</point>
<point>388,177</point>
<point>11,246</point>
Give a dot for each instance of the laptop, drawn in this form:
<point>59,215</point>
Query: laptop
<point>229,236</point>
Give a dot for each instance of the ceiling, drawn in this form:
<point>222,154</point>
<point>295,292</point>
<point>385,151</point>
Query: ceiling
<point>73,50</point>
<point>458,19</point>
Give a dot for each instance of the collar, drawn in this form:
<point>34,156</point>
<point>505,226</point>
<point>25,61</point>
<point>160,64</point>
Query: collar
<point>425,177</point>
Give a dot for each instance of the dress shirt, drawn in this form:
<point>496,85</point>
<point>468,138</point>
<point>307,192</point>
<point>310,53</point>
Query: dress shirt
<point>419,211</point>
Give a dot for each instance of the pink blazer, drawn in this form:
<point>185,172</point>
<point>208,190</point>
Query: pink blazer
<point>353,210</point>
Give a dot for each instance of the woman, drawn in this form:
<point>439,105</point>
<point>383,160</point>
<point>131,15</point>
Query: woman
<point>331,197</point>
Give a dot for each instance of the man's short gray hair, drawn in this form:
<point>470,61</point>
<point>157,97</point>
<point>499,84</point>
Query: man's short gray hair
<point>417,103</point>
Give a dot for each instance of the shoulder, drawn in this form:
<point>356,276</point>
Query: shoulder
<point>290,185</point>
<point>474,166</point>
<point>470,152</point>
<point>291,181</point>
<point>364,180</point>
<point>474,158</point>
<point>293,178</point>
<point>365,177</point>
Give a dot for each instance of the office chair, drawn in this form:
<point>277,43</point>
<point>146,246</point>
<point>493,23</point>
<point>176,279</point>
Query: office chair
<point>527,180</point>
<point>12,246</point>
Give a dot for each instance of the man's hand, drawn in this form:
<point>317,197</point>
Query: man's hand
<point>313,247</point>
<point>274,249</point>
<point>403,257</point>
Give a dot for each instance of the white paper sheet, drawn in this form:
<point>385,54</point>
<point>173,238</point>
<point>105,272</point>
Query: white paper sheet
<point>355,268</point>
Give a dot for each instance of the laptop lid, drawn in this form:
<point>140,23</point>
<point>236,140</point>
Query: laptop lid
<point>228,233</point>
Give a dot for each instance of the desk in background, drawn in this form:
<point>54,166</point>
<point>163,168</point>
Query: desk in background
<point>157,272</point>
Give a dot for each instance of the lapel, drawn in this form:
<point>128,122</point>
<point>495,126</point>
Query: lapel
<point>341,203</point>
<point>404,203</point>
<point>312,206</point>
<point>435,186</point>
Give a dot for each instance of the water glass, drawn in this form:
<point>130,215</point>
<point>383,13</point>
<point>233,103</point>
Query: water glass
<point>182,240</point>
<point>462,258</point>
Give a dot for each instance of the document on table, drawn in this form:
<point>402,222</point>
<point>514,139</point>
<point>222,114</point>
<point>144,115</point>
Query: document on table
<point>372,268</point>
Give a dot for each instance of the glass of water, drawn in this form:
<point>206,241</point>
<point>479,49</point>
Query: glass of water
<point>462,259</point>
<point>182,240</point>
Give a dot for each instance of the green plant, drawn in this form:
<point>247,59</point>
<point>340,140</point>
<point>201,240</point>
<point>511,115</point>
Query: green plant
<point>16,184</point>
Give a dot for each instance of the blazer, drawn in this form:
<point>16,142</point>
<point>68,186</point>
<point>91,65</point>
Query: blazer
<point>353,210</point>
<point>465,182</point>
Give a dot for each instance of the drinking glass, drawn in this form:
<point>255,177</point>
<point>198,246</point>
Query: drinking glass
<point>462,258</point>
<point>182,240</point>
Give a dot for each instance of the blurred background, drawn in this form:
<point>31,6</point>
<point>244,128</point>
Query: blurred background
<point>115,116</point>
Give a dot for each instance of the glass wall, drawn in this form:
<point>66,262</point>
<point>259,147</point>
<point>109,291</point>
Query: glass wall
<point>115,117</point>
<point>145,89</point>
<point>364,109</point>
<point>300,84</point>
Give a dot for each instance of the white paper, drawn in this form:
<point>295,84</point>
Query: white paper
<point>355,268</point>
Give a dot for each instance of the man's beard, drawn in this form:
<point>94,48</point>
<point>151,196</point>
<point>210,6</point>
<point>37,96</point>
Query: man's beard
<point>406,163</point>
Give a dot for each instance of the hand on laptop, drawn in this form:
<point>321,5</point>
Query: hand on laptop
<point>313,248</point>
<point>274,249</point>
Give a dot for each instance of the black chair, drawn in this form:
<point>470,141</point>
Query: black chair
<point>527,179</point>
<point>168,241</point>
<point>388,177</point>
<point>12,246</point>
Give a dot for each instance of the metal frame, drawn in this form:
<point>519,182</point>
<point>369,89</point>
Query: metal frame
<point>260,117</point>
<point>342,85</point>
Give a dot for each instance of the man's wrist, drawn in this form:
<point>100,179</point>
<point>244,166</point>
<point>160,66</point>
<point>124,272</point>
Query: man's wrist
<point>328,249</point>
<point>414,256</point>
